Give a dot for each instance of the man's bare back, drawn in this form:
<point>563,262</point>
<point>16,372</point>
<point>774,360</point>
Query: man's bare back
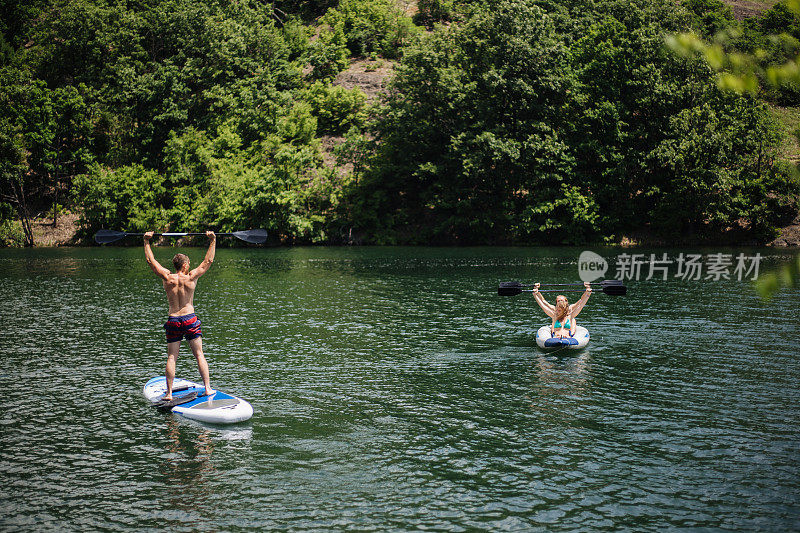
<point>180,293</point>
<point>180,287</point>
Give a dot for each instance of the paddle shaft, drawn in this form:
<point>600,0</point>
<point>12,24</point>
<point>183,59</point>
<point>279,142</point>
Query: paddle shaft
<point>604,283</point>
<point>551,290</point>
<point>254,236</point>
<point>177,234</point>
<point>612,290</point>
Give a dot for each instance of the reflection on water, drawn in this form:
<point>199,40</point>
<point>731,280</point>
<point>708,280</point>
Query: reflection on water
<point>560,368</point>
<point>562,376</point>
<point>393,389</point>
<point>187,468</point>
<point>188,462</point>
<point>561,390</point>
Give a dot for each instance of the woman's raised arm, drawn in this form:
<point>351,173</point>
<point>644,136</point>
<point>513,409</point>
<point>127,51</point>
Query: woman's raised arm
<point>546,307</point>
<point>579,305</point>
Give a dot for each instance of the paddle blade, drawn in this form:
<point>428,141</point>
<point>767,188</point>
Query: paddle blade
<point>509,288</point>
<point>255,236</point>
<point>105,236</point>
<point>615,290</point>
<point>611,283</point>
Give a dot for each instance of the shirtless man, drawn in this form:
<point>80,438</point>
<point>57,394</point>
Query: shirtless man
<point>182,320</point>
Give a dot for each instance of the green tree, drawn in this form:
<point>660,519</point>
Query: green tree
<point>306,10</point>
<point>660,146</point>
<point>17,18</point>
<point>328,54</point>
<point>377,26</point>
<point>724,153</point>
<point>14,183</point>
<point>710,16</point>
<point>434,11</point>
<point>160,67</point>
<point>53,130</point>
<point>337,109</point>
<point>741,70</point>
<point>129,197</point>
<point>470,142</point>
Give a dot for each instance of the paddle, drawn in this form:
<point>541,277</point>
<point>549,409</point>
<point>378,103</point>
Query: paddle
<point>604,283</point>
<point>513,288</point>
<point>167,405</point>
<point>254,236</point>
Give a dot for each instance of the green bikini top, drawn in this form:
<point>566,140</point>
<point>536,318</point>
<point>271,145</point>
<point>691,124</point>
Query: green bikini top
<point>558,325</point>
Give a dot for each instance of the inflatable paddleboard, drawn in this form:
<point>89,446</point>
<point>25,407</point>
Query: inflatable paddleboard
<point>218,408</point>
<point>547,342</point>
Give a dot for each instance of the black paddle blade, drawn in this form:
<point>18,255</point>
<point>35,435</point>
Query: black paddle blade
<point>611,283</point>
<point>166,406</point>
<point>615,290</point>
<point>509,288</point>
<point>254,236</point>
<point>105,236</point>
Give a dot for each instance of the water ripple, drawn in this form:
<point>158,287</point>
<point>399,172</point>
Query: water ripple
<point>393,390</point>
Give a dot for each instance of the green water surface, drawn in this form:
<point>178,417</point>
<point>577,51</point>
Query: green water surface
<point>394,390</point>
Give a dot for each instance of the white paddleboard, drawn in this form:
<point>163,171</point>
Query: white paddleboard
<point>218,408</point>
<point>547,342</point>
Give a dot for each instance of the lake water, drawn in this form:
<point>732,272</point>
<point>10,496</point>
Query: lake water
<point>394,389</point>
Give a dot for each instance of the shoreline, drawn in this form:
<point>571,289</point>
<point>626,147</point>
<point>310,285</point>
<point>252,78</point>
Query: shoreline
<point>65,234</point>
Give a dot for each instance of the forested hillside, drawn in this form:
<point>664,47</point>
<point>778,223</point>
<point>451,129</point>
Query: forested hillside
<point>501,122</point>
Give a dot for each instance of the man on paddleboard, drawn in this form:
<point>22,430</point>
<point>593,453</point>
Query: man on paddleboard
<point>182,321</point>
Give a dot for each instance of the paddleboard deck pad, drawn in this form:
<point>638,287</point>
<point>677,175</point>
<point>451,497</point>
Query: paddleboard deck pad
<point>189,401</point>
<point>547,342</point>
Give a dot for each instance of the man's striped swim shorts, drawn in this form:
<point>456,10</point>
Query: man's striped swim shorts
<point>177,327</point>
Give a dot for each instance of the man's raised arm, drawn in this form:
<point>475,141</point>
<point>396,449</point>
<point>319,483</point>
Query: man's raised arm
<point>160,271</point>
<point>209,258</point>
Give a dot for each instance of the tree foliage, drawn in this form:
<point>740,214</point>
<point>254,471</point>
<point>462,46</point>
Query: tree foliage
<point>499,130</point>
<point>371,26</point>
<point>470,138</point>
<point>761,52</point>
<point>514,121</point>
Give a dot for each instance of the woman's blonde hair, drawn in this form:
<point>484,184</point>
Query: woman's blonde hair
<point>562,310</point>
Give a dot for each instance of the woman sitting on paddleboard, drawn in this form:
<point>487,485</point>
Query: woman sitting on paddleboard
<point>562,314</point>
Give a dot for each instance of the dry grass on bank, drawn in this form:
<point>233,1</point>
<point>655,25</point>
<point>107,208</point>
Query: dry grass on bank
<point>63,234</point>
<point>749,8</point>
<point>789,118</point>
